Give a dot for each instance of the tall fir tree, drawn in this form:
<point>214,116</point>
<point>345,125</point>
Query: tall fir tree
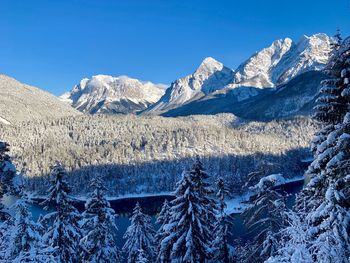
<point>324,204</point>
<point>223,251</point>
<point>25,240</point>
<point>63,230</point>
<point>139,236</point>
<point>265,217</point>
<point>162,219</point>
<point>294,242</point>
<point>329,222</point>
<point>190,228</point>
<point>98,223</point>
<point>331,107</point>
<point>141,257</point>
<point>7,173</point>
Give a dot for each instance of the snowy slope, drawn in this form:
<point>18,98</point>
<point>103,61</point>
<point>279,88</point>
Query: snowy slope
<point>107,94</point>
<point>213,85</point>
<point>210,76</point>
<point>296,97</point>
<point>284,60</point>
<point>21,102</point>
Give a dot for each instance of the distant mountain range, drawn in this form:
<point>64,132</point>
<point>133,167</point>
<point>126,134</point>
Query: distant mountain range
<point>263,75</point>
<point>214,88</point>
<point>279,81</point>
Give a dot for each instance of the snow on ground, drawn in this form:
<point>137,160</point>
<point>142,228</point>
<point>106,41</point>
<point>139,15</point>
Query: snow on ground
<point>238,204</point>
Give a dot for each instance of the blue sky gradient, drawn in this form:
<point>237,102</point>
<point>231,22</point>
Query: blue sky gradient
<point>53,44</point>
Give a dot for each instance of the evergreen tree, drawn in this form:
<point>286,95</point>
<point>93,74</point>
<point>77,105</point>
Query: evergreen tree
<point>141,257</point>
<point>162,219</point>
<point>63,231</point>
<point>223,252</point>
<point>139,236</point>
<point>191,224</point>
<point>98,243</point>
<point>5,234</point>
<point>331,107</point>
<point>324,204</point>
<point>266,217</point>
<point>164,214</point>
<point>294,242</point>
<point>329,222</point>
<point>7,172</point>
<point>25,241</point>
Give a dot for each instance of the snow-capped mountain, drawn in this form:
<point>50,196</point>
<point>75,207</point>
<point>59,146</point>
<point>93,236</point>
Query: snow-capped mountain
<point>210,76</point>
<point>284,60</point>
<point>272,67</point>
<point>296,97</point>
<point>107,94</point>
<point>21,102</point>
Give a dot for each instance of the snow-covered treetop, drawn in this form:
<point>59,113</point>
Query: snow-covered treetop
<point>269,181</point>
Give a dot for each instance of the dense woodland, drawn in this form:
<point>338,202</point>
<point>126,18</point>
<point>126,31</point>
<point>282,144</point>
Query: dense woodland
<point>148,154</point>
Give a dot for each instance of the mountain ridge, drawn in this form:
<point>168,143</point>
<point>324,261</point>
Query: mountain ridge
<point>21,102</point>
<point>107,94</point>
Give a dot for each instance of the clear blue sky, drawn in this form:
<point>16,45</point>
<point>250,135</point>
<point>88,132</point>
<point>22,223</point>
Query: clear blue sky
<point>53,44</point>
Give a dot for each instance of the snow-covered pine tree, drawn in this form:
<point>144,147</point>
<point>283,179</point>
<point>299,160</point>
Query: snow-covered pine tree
<point>139,235</point>
<point>7,171</point>
<point>294,242</point>
<point>330,221</point>
<point>329,215</point>
<point>98,223</point>
<point>63,230</point>
<point>164,214</point>
<point>162,219</point>
<point>331,107</point>
<point>223,251</point>
<point>327,196</point>
<point>190,227</point>
<point>265,217</point>
<point>25,240</point>
<point>141,257</point>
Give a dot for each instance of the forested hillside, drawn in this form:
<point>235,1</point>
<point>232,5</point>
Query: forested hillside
<point>148,154</point>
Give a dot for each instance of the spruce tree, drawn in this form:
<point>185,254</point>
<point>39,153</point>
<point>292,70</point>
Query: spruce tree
<point>331,107</point>
<point>7,173</point>
<point>99,241</point>
<point>294,244</point>
<point>139,236</point>
<point>162,219</point>
<point>329,222</point>
<point>63,230</point>
<point>324,203</point>
<point>265,217</point>
<point>223,252</point>
<point>141,257</point>
<point>25,240</point>
<point>190,227</point>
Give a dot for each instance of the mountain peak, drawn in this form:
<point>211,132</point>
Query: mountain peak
<point>211,62</point>
<point>283,60</point>
<point>280,42</point>
<point>209,65</point>
<point>108,94</point>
